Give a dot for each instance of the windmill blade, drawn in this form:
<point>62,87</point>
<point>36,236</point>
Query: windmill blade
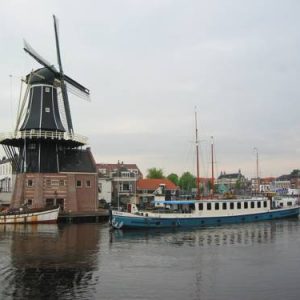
<point>76,85</point>
<point>55,20</point>
<point>67,107</point>
<point>27,48</point>
<point>73,90</point>
<point>62,79</point>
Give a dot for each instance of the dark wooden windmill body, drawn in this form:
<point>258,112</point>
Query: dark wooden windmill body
<point>47,155</point>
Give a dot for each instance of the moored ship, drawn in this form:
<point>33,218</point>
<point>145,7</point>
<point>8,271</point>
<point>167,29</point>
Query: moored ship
<point>30,216</point>
<point>202,213</point>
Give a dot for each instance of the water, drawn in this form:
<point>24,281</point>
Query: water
<point>88,261</point>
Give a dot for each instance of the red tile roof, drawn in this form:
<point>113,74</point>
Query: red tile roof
<point>153,184</point>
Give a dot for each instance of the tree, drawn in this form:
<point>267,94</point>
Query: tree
<point>187,181</point>
<point>155,173</point>
<point>295,173</point>
<point>174,178</point>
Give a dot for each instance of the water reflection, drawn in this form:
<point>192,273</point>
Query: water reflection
<point>50,262</point>
<point>237,234</point>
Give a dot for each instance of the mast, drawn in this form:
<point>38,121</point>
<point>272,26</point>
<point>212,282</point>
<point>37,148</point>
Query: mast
<point>212,166</point>
<point>257,177</point>
<point>197,157</point>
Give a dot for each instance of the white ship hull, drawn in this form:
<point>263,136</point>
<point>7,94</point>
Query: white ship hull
<point>44,216</point>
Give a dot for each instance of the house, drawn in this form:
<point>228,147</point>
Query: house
<point>117,182</point>
<point>7,180</point>
<point>265,184</point>
<point>231,182</point>
<point>147,188</point>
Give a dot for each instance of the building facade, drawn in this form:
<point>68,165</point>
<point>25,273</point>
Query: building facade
<point>7,180</point>
<point>117,182</point>
<point>148,188</point>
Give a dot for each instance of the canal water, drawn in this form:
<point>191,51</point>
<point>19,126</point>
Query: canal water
<point>88,261</point>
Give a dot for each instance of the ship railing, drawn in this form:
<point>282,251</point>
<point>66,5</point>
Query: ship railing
<point>43,134</point>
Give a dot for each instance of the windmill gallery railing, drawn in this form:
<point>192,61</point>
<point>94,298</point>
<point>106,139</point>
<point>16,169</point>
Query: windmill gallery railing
<point>43,134</point>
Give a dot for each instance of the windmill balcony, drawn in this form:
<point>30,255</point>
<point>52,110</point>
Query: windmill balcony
<point>42,134</point>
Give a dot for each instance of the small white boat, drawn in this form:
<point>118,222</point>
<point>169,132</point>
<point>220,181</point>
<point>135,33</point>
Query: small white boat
<point>30,216</point>
<point>203,213</point>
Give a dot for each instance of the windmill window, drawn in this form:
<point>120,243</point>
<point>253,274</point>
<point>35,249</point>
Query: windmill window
<point>55,182</point>
<point>78,183</point>
<point>47,109</point>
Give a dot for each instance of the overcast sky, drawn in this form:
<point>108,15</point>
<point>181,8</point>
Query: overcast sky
<point>149,63</point>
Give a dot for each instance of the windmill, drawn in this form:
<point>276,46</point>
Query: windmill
<point>40,135</point>
<point>60,79</point>
<point>52,167</point>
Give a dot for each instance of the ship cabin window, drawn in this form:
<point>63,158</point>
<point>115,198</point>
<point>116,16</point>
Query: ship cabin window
<point>200,206</point>
<point>289,203</point>
<point>224,205</point>
<point>252,203</point>
<point>29,182</point>
<point>245,204</point>
<point>208,206</point>
<point>239,205</point>
<point>265,204</point>
<point>78,183</point>
<point>217,206</point>
<point>88,183</point>
<point>231,205</point>
<point>258,204</point>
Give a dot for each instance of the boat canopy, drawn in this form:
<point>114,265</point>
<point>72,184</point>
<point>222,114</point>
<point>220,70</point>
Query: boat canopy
<point>174,202</point>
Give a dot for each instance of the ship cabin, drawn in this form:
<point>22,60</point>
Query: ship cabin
<point>216,207</point>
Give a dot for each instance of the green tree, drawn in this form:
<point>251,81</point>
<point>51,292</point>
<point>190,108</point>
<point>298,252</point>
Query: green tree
<point>187,181</point>
<point>155,173</point>
<point>295,173</point>
<point>174,178</point>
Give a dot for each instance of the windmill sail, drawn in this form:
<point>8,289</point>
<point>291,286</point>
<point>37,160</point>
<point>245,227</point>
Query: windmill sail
<point>60,79</point>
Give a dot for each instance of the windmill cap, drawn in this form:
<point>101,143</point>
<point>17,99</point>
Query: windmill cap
<point>43,75</point>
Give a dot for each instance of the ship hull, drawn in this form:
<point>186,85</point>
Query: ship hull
<point>45,216</point>
<point>121,220</point>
